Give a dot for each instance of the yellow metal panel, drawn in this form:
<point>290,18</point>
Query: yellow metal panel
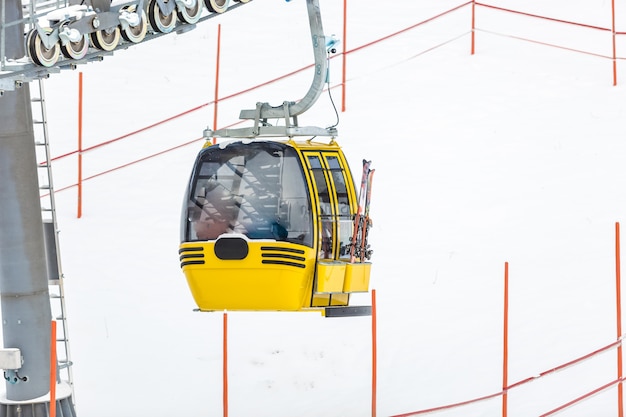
<point>241,289</point>
<point>320,300</point>
<point>251,283</point>
<point>357,277</point>
<point>330,275</point>
<point>339,299</point>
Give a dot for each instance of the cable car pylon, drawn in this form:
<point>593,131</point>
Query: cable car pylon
<point>271,224</point>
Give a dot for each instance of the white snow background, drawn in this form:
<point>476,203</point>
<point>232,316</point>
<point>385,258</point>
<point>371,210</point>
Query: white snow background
<point>514,154</point>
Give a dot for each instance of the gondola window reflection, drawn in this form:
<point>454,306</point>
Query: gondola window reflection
<point>254,189</point>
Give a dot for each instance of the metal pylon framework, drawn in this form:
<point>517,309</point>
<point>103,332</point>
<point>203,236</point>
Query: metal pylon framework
<point>51,233</point>
<point>63,34</point>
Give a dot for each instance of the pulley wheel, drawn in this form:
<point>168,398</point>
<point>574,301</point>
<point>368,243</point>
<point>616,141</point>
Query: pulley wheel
<point>38,52</point>
<point>216,6</point>
<point>136,34</point>
<point>190,14</point>
<point>106,39</point>
<point>76,50</point>
<point>158,21</point>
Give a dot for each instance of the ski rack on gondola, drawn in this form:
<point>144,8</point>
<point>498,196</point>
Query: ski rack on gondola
<point>62,34</point>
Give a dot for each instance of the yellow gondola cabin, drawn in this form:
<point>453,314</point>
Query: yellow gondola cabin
<point>268,226</point>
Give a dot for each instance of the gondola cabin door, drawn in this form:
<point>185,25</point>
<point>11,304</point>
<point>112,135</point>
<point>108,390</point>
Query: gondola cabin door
<point>336,205</point>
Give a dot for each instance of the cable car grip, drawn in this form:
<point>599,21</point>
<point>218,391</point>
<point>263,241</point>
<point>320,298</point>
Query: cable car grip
<point>289,110</point>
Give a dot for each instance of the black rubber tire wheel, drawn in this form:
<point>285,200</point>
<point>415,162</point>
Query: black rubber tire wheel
<point>136,34</point>
<point>216,6</point>
<point>190,15</point>
<point>39,53</point>
<point>106,40</point>
<point>76,50</point>
<point>158,21</point>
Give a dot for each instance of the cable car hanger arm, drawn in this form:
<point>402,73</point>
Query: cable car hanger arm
<point>321,66</point>
<point>289,110</point>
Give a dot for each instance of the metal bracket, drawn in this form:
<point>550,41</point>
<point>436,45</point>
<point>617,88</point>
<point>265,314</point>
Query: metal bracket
<point>348,311</point>
<point>270,131</point>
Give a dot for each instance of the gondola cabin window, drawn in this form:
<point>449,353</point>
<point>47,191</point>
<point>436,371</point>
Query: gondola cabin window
<point>256,189</point>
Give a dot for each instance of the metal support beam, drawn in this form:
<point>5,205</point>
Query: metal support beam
<point>348,311</point>
<point>24,297</point>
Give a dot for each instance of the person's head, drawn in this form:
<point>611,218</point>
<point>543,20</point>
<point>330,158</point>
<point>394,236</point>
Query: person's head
<point>208,227</point>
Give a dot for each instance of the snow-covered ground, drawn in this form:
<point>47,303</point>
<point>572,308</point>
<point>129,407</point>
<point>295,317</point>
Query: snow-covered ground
<point>514,154</point>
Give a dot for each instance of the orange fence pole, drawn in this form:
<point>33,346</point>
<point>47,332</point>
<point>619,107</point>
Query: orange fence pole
<point>613,36</point>
<point>225,366</point>
<point>505,344</point>
<point>343,56</point>
<point>374,353</point>
<point>473,25</point>
<point>53,369</point>
<point>618,295</point>
<point>217,77</point>
<point>79,212</point>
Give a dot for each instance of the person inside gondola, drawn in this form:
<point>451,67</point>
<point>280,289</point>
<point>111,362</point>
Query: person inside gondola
<point>219,214</point>
<point>209,227</point>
